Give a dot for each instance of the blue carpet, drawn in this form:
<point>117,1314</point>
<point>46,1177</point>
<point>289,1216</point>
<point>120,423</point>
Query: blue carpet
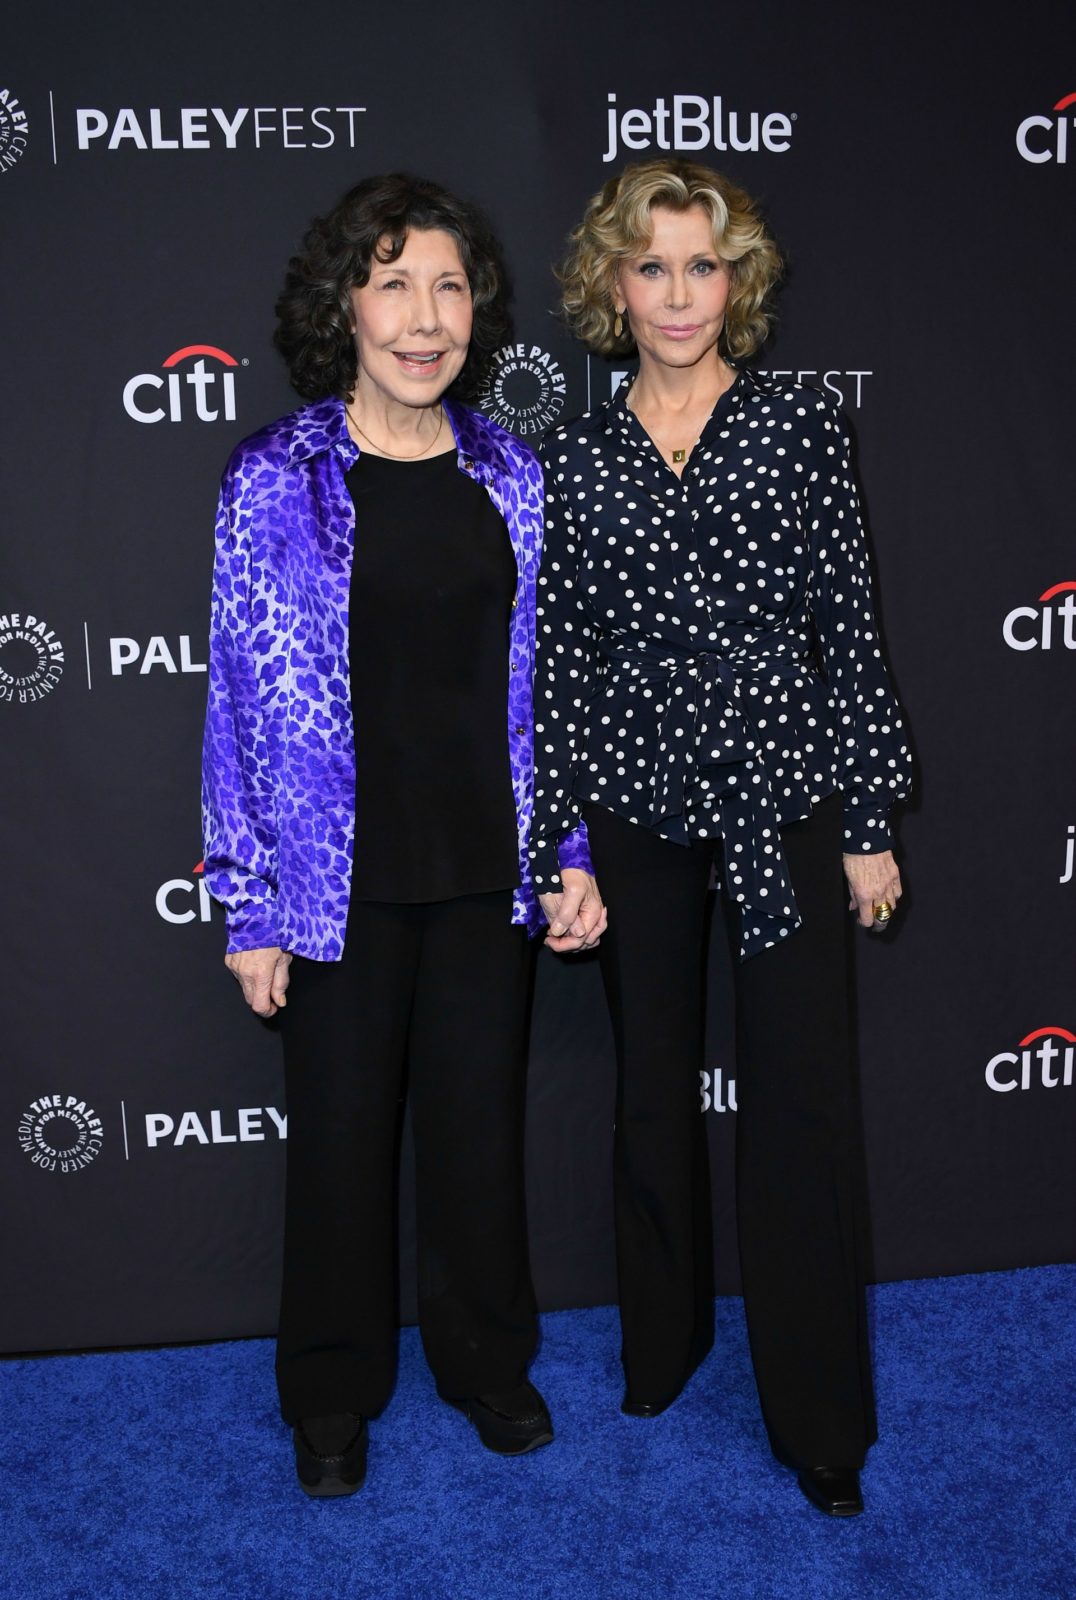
<point>149,1475</point>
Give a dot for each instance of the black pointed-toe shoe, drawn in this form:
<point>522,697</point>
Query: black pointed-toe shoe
<point>511,1422</point>
<point>834,1490</point>
<point>646,1408</point>
<point>330,1453</point>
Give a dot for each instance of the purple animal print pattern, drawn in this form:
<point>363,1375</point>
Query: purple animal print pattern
<point>278,771</point>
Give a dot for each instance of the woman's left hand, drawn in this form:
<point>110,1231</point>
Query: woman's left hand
<point>577,918</point>
<point>872,879</point>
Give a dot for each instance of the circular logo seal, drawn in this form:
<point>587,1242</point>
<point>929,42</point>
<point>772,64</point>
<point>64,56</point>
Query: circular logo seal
<point>60,1133</point>
<point>525,389</point>
<point>31,658</point>
<point>14,129</point>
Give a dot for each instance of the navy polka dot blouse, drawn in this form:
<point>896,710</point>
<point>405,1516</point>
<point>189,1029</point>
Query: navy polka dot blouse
<point>708,662</point>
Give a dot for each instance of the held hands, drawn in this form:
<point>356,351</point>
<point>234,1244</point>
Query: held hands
<point>872,879</point>
<point>263,977</point>
<point>577,919</point>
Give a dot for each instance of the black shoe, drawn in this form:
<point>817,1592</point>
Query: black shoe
<point>511,1423</point>
<point>330,1453</point>
<point>646,1408</point>
<point>834,1490</point>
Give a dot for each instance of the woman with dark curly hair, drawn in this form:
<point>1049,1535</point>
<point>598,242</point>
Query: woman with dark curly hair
<point>710,696</point>
<point>367,791</point>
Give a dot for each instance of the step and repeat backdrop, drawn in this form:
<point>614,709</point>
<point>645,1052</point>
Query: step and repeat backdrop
<point>918,166</point>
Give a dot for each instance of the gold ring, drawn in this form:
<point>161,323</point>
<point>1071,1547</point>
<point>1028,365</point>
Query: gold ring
<point>882,910</point>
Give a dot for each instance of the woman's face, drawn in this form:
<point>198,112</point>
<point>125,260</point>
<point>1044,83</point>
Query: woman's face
<point>675,292</point>
<point>413,321</point>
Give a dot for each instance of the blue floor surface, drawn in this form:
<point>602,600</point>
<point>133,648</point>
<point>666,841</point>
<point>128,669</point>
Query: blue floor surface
<point>166,1475</point>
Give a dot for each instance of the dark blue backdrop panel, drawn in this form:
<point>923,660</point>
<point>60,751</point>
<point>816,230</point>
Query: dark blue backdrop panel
<point>918,166</point>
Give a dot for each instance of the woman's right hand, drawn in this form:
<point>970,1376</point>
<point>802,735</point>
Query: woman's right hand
<point>577,918</point>
<point>263,977</point>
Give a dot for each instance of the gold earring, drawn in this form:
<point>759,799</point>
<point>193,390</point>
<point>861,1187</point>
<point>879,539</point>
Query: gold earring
<point>618,326</point>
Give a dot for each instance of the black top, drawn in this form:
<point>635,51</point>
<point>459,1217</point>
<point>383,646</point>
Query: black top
<point>431,594</point>
<point>708,662</point>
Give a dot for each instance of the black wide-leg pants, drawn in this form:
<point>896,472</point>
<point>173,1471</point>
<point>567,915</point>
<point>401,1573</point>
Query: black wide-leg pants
<point>800,1185</point>
<point>432,998</point>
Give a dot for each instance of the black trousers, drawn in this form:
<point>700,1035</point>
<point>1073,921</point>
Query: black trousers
<point>435,996</point>
<point>800,1186</point>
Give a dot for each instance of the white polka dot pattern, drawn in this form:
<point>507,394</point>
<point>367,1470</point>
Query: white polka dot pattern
<point>708,662</point>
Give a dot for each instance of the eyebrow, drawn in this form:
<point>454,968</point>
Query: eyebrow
<point>405,272</point>
<point>700,255</point>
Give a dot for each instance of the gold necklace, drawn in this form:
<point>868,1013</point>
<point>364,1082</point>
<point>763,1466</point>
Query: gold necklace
<point>381,449</point>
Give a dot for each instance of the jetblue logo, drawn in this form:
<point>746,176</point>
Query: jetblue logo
<point>690,122</point>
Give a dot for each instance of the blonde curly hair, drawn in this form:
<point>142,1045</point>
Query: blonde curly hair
<point>616,227</point>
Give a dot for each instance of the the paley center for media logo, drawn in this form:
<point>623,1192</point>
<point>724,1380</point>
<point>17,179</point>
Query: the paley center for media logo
<point>14,130</point>
<point>525,389</point>
<point>31,658</point>
<point>1042,138</point>
<point>693,122</point>
<point>60,1133</point>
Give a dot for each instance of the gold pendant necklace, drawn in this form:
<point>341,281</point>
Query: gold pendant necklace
<point>424,451</point>
<point>679,455</point>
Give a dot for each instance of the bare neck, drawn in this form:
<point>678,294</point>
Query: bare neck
<point>671,392</point>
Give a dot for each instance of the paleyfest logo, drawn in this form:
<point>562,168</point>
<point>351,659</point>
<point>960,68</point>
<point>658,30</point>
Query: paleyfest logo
<point>14,130</point>
<point>1040,138</point>
<point>1052,1058</point>
<point>152,128</point>
<point>1032,627</point>
<point>525,389</point>
<point>31,658</point>
<point>209,390</point>
<point>695,122</point>
<point>60,1133</point>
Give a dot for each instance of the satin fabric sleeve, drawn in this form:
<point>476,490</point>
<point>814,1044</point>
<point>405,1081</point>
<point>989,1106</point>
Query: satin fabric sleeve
<point>565,674</point>
<point>240,836</point>
<point>874,760</point>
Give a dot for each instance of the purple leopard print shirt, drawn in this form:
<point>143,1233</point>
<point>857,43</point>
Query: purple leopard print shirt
<point>278,773</point>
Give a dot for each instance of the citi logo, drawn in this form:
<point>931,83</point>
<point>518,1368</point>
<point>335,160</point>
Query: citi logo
<point>692,122</point>
<point>1040,139</point>
<point>1032,627</point>
<point>1052,1062</point>
<point>211,390</point>
<point>182,900</point>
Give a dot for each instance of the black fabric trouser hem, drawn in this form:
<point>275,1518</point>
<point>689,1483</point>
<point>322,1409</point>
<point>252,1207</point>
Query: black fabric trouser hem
<point>800,1179</point>
<point>430,998</point>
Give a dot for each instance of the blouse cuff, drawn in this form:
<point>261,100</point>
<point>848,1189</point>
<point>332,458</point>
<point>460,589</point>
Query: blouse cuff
<point>866,830</point>
<point>545,871</point>
<point>253,926</point>
<point>574,850</point>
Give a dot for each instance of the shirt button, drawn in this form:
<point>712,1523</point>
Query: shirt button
<point>520,729</point>
<point>468,464</point>
<point>514,665</point>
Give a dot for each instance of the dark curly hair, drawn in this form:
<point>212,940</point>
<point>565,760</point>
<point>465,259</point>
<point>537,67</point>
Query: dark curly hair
<point>315,324</point>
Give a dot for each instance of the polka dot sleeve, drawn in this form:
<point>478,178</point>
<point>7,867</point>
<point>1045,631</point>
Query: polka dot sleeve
<point>565,670</point>
<point>873,760</point>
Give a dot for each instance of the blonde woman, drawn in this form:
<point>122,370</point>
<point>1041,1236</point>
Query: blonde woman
<point>710,694</point>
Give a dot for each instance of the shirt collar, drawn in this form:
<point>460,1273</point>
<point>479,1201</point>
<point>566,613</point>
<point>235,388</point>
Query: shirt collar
<point>618,418</point>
